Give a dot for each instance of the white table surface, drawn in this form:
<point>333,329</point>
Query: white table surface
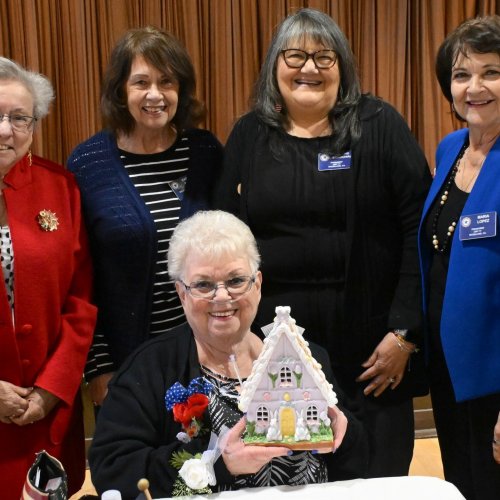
<point>389,488</point>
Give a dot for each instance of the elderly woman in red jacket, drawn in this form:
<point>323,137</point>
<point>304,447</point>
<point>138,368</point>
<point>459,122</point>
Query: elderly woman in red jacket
<point>46,318</point>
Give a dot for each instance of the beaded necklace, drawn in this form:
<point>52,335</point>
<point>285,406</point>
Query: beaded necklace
<point>444,198</point>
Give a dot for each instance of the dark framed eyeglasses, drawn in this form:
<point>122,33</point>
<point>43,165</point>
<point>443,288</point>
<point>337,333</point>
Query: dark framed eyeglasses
<point>205,289</point>
<point>18,122</point>
<point>297,58</point>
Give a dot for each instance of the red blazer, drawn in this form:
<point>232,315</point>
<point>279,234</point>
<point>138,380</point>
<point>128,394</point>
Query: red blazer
<point>54,319</point>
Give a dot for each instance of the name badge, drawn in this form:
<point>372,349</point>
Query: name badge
<point>178,186</point>
<point>327,162</point>
<point>477,226</point>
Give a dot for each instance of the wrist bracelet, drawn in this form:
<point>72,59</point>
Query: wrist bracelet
<point>403,344</point>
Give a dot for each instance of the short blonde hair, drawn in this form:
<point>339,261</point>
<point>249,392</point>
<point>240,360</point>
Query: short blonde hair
<point>214,234</point>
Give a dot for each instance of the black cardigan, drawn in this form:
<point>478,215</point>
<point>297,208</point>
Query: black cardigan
<point>136,435</point>
<point>385,194</point>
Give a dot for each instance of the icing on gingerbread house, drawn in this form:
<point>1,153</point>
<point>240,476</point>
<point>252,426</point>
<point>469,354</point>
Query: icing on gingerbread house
<point>286,397</point>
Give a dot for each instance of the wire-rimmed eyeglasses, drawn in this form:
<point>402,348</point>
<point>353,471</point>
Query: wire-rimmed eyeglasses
<point>297,58</point>
<point>205,289</point>
<point>18,122</point>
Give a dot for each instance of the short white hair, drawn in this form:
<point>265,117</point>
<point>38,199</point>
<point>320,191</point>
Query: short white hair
<point>37,85</point>
<point>214,234</point>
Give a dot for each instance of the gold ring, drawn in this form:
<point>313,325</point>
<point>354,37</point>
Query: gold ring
<point>392,379</point>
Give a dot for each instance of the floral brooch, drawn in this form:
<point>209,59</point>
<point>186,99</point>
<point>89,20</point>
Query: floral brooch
<point>48,220</point>
<point>196,472</point>
<point>188,406</point>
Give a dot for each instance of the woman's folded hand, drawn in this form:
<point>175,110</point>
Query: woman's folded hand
<point>40,404</point>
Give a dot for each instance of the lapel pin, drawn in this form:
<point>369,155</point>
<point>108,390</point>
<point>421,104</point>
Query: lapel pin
<point>48,220</point>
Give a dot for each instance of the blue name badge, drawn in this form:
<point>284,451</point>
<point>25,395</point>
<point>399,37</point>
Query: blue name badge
<point>327,162</point>
<point>477,226</point>
<point>178,186</point>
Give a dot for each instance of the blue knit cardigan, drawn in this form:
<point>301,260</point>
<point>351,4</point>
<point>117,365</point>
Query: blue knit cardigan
<point>123,235</point>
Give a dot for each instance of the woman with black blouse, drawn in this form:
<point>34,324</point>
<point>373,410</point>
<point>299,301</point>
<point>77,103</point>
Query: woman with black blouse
<point>332,183</point>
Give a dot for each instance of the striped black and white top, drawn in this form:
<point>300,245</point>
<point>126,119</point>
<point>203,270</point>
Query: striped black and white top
<point>160,179</point>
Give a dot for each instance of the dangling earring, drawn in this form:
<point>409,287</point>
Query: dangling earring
<point>278,108</point>
<point>30,157</point>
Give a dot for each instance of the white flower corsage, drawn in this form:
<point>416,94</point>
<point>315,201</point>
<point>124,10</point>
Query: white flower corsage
<point>196,473</point>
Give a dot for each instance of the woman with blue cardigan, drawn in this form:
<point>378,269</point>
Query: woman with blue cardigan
<point>460,259</point>
<point>146,171</point>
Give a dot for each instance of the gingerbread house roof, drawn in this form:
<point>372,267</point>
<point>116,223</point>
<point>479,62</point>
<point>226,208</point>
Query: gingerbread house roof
<point>284,325</point>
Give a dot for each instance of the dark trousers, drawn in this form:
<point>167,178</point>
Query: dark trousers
<point>465,434</point>
<point>391,434</point>
<point>389,426</point>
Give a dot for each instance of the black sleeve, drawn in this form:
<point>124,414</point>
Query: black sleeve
<point>205,166</point>
<point>228,187</point>
<point>135,434</point>
<point>410,182</point>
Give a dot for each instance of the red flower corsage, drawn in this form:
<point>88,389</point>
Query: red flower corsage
<point>188,406</point>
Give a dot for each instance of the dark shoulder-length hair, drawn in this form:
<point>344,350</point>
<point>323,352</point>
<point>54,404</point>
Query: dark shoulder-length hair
<point>302,26</point>
<point>480,35</point>
<point>164,52</point>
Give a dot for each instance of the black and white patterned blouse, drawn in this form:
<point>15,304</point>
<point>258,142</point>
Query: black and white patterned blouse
<point>7,260</point>
<point>301,468</point>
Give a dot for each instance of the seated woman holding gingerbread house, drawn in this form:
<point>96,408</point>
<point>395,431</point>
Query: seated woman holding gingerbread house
<point>174,411</point>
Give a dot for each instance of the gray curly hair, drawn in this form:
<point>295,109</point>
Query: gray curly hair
<point>37,85</point>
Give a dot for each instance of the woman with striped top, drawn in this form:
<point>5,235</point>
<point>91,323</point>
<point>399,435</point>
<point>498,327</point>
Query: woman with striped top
<point>148,169</point>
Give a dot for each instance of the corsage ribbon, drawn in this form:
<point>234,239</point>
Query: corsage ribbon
<point>190,470</point>
<point>179,394</point>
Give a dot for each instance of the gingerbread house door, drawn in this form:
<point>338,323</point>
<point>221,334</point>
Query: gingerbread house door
<point>287,422</point>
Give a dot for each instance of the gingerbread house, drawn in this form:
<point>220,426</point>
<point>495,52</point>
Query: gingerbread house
<point>286,397</point>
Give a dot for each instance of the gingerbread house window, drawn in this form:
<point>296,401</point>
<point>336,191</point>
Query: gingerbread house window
<point>312,413</point>
<point>285,377</point>
<point>262,414</point>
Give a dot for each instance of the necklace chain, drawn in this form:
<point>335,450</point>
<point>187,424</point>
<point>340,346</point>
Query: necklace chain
<point>217,376</point>
<point>477,166</point>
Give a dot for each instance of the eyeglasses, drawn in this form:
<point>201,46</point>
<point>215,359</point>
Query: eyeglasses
<point>204,289</point>
<point>19,123</point>
<point>297,58</point>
